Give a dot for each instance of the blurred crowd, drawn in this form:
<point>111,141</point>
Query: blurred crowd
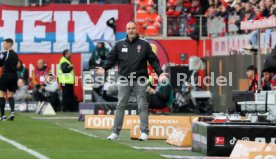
<point>182,16</point>
<point>243,9</point>
<point>185,16</point>
<point>147,18</point>
<point>188,17</point>
<point>36,2</point>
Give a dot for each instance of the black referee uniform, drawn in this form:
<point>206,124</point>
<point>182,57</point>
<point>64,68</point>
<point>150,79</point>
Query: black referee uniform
<point>8,79</point>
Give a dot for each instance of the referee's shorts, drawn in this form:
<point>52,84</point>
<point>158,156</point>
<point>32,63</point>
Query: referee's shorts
<point>8,82</point>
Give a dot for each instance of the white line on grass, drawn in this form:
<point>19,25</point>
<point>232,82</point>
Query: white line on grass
<point>162,148</point>
<point>23,148</point>
<point>55,118</point>
<point>182,157</point>
<point>84,133</point>
<point>191,157</point>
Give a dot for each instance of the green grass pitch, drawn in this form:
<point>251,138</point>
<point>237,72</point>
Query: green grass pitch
<point>54,139</point>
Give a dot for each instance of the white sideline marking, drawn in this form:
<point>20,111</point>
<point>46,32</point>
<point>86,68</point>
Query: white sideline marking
<point>182,157</point>
<point>23,148</point>
<point>84,133</point>
<point>162,148</point>
<point>54,118</point>
<point>191,157</point>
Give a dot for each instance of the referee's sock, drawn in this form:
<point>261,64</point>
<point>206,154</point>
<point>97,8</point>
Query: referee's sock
<point>2,106</point>
<point>11,102</point>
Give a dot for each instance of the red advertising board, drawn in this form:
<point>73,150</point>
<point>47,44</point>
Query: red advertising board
<point>176,47</point>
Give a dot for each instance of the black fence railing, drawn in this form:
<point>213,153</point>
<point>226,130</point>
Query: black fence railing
<point>187,26</point>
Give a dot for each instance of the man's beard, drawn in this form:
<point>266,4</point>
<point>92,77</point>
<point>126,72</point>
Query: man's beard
<point>133,36</point>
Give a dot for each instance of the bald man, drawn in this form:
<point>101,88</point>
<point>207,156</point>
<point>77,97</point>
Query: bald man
<point>38,80</point>
<point>132,54</point>
<point>38,76</point>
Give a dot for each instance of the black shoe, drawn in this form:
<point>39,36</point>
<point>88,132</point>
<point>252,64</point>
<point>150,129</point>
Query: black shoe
<point>11,118</point>
<point>3,118</point>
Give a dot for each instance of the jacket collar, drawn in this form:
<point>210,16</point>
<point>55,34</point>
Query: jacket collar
<point>66,58</point>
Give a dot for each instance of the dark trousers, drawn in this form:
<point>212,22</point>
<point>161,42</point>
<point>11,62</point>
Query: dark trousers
<point>68,97</point>
<point>54,100</point>
<point>51,97</point>
<point>39,95</point>
<point>155,102</point>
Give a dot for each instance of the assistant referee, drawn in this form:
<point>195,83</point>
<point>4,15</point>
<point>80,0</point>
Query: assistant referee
<point>8,79</point>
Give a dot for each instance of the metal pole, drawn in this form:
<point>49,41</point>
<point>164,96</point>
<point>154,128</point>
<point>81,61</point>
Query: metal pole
<point>259,60</point>
<point>88,1</point>
<point>165,24</point>
<point>162,13</point>
<point>40,2</point>
<point>135,9</point>
<point>200,26</point>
